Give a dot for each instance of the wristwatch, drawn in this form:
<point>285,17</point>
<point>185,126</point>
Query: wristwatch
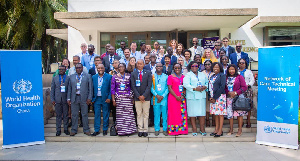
<point>235,93</point>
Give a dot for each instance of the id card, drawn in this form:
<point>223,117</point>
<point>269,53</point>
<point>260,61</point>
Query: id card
<point>99,88</point>
<point>159,87</point>
<point>230,88</point>
<point>138,83</point>
<point>122,86</point>
<point>199,84</point>
<point>180,88</point>
<point>78,86</point>
<point>62,89</point>
<point>111,67</point>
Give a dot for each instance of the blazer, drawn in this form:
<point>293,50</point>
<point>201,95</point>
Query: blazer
<point>86,88</point>
<point>106,62</point>
<point>145,86</point>
<point>92,71</point>
<point>230,50</point>
<point>173,60</point>
<point>219,86</point>
<point>164,89</point>
<point>233,58</point>
<point>55,94</point>
<point>169,71</point>
<point>147,67</point>
<point>249,78</point>
<point>105,89</point>
<point>190,81</point>
<point>238,85</point>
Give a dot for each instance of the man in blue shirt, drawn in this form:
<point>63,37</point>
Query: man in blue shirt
<point>229,49</point>
<point>88,59</point>
<point>120,51</point>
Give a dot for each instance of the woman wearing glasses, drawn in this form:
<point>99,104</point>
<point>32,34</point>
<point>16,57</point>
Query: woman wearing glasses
<point>224,61</point>
<point>249,78</point>
<point>208,72</point>
<point>196,83</point>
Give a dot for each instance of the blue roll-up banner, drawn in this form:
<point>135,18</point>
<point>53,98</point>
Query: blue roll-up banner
<point>22,98</point>
<point>278,96</point>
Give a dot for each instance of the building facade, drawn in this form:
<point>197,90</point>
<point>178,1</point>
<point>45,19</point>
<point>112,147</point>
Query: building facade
<point>253,23</point>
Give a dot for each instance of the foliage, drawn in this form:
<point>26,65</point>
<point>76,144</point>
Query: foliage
<point>23,25</point>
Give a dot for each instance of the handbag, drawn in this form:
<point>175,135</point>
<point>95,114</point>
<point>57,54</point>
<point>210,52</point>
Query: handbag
<point>240,103</point>
<point>113,130</point>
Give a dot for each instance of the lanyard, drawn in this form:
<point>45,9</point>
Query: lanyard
<point>214,77</point>
<point>152,66</point>
<point>123,77</point>
<point>100,79</point>
<point>91,56</point>
<point>111,59</point>
<point>79,78</point>
<point>64,77</point>
<point>178,77</point>
<point>157,78</point>
<point>126,62</point>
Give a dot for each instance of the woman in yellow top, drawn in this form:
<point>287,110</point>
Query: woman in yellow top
<point>209,55</point>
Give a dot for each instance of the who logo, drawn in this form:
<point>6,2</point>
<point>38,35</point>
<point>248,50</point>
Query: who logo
<point>22,86</point>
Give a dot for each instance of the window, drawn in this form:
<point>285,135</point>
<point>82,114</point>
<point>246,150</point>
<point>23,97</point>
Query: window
<point>280,36</point>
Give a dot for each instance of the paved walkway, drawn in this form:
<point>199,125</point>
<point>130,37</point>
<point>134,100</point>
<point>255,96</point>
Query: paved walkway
<point>116,151</point>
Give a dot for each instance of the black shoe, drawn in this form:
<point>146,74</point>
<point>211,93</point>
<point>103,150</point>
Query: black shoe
<point>80,125</point>
<point>70,124</point>
<point>67,132</point>
<point>104,132</point>
<point>140,134</point>
<point>95,133</point>
<point>216,136</point>
<point>58,133</point>
<point>212,134</point>
<point>145,134</point>
<point>73,134</point>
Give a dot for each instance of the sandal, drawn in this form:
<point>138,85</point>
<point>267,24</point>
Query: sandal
<point>230,133</point>
<point>203,133</point>
<point>194,134</point>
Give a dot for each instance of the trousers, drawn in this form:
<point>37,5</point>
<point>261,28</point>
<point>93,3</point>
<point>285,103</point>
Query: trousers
<point>142,111</point>
<point>83,107</point>
<point>100,104</point>
<point>160,110</point>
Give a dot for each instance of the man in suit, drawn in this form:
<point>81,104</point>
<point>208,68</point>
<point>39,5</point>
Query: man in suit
<point>80,95</point>
<point>141,81</point>
<point>101,99</point>
<point>217,48</point>
<point>234,57</point>
<point>97,61</point>
<point>58,96</point>
<point>229,49</point>
<point>109,59</point>
<point>173,59</point>
<point>76,60</point>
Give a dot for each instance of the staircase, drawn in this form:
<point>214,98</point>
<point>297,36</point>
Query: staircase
<point>249,134</point>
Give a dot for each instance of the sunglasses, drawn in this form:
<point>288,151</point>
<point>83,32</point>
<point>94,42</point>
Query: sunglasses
<point>238,46</point>
<point>207,64</point>
<point>194,66</point>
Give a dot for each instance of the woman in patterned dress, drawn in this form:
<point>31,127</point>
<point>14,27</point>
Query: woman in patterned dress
<point>235,86</point>
<point>122,97</point>
<point>217,97</point>
<point>177,114</point>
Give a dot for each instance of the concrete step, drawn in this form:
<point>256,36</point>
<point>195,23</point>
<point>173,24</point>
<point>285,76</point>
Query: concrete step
<point>50,128</point>
<point>80,137</point>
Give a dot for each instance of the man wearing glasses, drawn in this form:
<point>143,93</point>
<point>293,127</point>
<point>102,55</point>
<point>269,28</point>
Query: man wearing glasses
<point>217,49</point>
<point>235,57</point>
<point>229,49</point>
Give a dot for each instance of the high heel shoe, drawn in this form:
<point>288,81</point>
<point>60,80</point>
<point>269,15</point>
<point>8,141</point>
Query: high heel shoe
<point>212,134</point>
<point>203,133</point>
<point>238,135</point>
<point>218,135</point>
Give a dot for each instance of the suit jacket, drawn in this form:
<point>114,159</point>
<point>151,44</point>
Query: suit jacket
<point>147,67</point>
<point>230,50</point>
<point>169,71</point>
<point>233,58</point>
<point>86,88</point>
<point>105,89</point>
<point>106,62</point>
<point>55,94</point>
<point>219,86</point>
<point>173,60</point>
<point>145,86</point>
<point>190,81</point>
<point>92,71</point>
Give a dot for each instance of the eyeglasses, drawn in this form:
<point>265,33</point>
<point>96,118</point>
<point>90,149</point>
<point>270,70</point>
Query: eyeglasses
<point>194,66</point>
<point>224,59</point>
<point>242,62</point>
<point>207,64</point>
<point>238,46</point>
<point>177,68</point>
<point>78,67</point>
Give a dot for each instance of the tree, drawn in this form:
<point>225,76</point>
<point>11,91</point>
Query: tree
<point>23,25</point>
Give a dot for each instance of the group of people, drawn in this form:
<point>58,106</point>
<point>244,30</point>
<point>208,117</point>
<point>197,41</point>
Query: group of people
<point>148,87</point>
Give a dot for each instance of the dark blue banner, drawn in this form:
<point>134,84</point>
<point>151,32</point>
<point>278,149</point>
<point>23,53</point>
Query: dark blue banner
<point>22,98</point>
<point>278,96</point>
<point>209,42</point>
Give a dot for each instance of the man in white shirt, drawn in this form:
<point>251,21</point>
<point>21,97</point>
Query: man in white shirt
<point>76,60</point>
<point>127,56</point>
<point>134,53</point>
<point>196,49</point>
<point>83,48</point>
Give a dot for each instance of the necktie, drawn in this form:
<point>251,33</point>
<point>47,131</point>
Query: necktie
<point>141,76</point>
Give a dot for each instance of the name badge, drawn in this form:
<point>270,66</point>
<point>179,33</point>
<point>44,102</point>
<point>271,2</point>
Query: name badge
<point>99,88</point>
<point>199,84</point>
<point>159,87</point>
<point>180,88</point>
<point>138,83</point>
<point>91,63</point>
<point>122,86</point>
<point>63,89</point>
<point>111,67</point>
<point>230,88</point>
<point>78,86</point>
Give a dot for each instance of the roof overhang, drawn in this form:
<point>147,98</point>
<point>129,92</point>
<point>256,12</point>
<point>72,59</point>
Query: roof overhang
<point>59,33</point>
<point>263,21</point>
<point>157,20</point>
